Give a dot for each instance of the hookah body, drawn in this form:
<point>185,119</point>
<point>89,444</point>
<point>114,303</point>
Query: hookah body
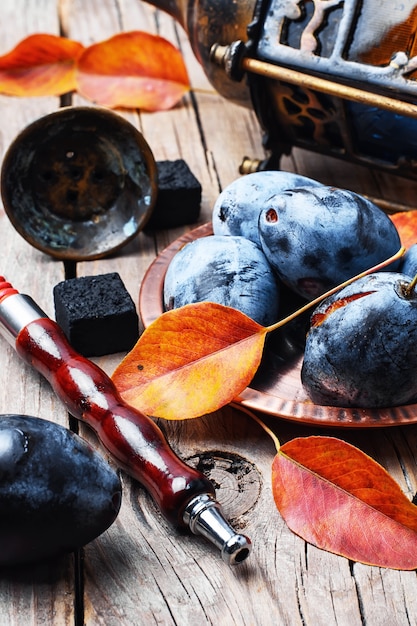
<point>339,41</point>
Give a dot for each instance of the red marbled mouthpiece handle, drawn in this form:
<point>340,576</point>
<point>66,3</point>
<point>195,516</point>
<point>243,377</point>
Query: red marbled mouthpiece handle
<point>184,495</point>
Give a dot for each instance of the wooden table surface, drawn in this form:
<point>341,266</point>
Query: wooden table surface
<point>142,571</point>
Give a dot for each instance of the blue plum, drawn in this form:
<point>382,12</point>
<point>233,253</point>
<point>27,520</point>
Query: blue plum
<point>231,271</point>
<point>236,210</point>
<point>56,492</point>
<point>361,348</point>
<point>317,237</point>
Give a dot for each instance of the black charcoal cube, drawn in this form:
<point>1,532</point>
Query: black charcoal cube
<point>179,196</point>
<point>97,314</point>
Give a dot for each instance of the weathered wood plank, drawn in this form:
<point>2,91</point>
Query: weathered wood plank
<point>28,269</point>
<point>43,593</point>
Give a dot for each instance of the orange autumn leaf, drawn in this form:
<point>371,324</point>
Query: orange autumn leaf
<point>196,359</point>
<point>133,70</point>
<point>40,65</point>
<point>406,224</point>
<point>339,499</point>
<point>191,361</point>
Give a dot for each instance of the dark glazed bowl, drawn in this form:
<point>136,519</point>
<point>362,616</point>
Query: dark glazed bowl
<point>79,183</point>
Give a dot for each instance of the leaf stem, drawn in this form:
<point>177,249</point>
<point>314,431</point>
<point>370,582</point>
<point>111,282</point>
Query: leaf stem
<point>204,92</point>
<point>251,414</point>
<point>316,301</point>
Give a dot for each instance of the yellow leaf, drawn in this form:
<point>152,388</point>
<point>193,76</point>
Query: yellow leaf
<point>191,361</point>
<point>40,65</point>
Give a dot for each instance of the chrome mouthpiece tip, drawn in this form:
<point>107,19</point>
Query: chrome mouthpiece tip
<point>236,550</point>
<point>204,517</point>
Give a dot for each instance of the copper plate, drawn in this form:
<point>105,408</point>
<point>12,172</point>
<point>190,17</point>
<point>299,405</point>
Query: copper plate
<point>277,389</point>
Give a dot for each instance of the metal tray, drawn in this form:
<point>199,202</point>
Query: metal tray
<point>276,389</point>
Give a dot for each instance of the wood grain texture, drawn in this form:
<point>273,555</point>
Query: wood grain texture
<point>43,593</point>
<point>142,571</point>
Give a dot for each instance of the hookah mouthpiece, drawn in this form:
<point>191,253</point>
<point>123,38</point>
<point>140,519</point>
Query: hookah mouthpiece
<point>134,440</point>
<point>204,517</point>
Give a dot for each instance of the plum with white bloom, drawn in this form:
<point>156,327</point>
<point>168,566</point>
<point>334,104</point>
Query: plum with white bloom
<point>231,271</point>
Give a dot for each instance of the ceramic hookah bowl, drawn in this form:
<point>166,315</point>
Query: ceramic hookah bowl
<point>79,183</point>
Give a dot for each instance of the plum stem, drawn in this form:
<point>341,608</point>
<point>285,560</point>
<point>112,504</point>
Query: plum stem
<point>316,301</point>
<point>410,287</point>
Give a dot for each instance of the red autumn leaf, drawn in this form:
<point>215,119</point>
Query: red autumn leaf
<point>406,224</point>
<point>133,70</point>
<point>339,499</point>
<point>40,65</point>
<point>191,361</point>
